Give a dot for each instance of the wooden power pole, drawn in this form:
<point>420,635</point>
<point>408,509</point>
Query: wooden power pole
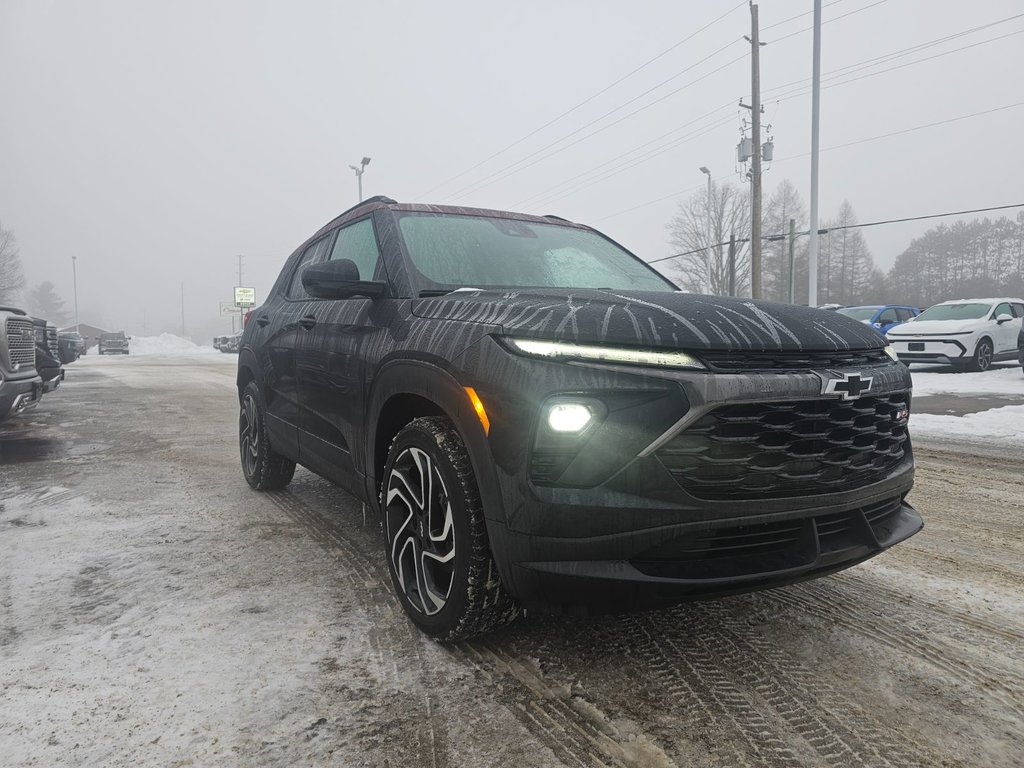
<point>755,165</point>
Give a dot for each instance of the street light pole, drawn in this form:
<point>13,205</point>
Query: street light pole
<point>812,248</point>
<point>74,274</point>
<point>706,280</point>
<point>360,169</point>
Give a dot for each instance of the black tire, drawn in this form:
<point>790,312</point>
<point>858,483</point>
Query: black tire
<point>982,359</point>
<point>454,591</point>
<point>264,468</point>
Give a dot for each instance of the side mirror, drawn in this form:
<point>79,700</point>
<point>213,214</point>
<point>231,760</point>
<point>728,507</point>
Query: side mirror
<point>1003,318</point>
<point>339,279</point>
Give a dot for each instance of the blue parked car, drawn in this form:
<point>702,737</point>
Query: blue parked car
<point>881,316</point>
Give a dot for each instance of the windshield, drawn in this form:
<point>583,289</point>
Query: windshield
<point>112,336</point>
<point>955,312</point>
<point>479,252</point>
<point>859,313</point>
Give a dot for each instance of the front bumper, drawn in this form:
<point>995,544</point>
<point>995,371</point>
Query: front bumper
<point>623,530</point>
<point>945,351</point>
<point>19,395</point>
<point>51,382</point>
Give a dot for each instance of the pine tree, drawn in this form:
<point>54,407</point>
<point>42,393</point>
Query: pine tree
<point>44,302</point>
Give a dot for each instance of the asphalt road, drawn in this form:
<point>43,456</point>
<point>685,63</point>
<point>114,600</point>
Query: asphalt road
<point>154,611</point>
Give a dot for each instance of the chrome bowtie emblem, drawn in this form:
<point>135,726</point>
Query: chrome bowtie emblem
<point>849,386</point>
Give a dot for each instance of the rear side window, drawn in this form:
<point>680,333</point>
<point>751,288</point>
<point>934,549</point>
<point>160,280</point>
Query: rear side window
<point>904,315</point>
<point>888,316</point>
<point>358,243</point>
<point>313,253</point>
<point>1018,310</point>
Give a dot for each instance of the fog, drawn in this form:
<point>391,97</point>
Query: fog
<point>158,142</point>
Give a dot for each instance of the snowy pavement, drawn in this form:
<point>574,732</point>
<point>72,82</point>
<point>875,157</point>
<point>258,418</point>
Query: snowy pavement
<point>981,409</point>
<point>155,611</point>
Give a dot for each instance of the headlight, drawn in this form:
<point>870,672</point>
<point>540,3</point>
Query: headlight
<point>891,352</point>
<point>560,350</point>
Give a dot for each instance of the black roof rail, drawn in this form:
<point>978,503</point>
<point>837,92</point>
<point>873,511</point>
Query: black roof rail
<point>367,201</point>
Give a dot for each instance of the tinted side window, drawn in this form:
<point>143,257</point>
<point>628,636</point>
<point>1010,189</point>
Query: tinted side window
<point>358,243</point>
<point>1018,310</point>
<point>904,315</point>
<point>1002,309</point>
<point>313,253</point>
<point>888,316</point>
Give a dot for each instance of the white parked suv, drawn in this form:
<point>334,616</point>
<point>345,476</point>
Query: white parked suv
<point>966,333</point>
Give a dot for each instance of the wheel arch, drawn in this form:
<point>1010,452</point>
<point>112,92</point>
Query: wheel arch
<point>405,390</point>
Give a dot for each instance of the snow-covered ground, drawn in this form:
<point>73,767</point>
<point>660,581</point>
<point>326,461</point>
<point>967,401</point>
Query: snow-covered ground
<point>998,426</point>
<point>167,344</point>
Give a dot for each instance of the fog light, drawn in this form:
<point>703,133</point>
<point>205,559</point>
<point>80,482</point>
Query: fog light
<point>569,417</point>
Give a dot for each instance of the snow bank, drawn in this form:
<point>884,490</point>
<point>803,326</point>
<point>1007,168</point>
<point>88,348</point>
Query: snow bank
<point>1004,426</point>
<point>997,381</point>
<point>167,344</point>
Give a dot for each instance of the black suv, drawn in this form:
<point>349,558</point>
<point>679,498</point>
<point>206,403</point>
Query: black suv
<point>539,418</point>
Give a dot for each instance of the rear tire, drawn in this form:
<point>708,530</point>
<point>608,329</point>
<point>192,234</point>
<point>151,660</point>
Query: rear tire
<point>435,536</point>
<point>264,468</point>
<point>982,359</point>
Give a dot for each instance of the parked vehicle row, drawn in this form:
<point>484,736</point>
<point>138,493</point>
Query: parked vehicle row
<point>31,363</point>
<point>228,344</point>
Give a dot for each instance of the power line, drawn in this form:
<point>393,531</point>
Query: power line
<point>909,130</point>
<point>826,230</point>
<point>589,99</point>
<point>508,169</point>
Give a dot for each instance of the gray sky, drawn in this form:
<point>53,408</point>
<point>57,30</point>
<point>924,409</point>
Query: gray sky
<point>157,141</point>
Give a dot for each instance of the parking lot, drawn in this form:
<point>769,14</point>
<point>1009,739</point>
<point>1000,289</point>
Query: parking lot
<point>156,611</point>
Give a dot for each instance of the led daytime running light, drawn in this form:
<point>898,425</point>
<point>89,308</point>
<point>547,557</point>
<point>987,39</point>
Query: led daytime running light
<point>560,350</point>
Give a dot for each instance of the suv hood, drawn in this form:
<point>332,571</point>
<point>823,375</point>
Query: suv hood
<point>653,319</point>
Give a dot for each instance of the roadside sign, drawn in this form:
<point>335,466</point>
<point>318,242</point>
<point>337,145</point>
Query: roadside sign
<point>245,297</point>
<point>228,309</point>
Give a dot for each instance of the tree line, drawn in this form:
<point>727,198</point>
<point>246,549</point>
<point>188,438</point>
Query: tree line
<point>41,299</point>
<point>959,260</point>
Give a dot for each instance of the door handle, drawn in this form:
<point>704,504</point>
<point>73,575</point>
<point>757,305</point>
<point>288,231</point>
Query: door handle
<point>308,322</point>
<point>263,320</point>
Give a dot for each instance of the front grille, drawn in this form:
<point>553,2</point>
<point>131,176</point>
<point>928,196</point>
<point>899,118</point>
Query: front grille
<point>752,360</point>
<point>771,450</point>
<point>21,342</point>
<point>52,343</point>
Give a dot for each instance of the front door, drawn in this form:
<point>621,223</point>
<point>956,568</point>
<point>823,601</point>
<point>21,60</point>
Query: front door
<point>331,365</point>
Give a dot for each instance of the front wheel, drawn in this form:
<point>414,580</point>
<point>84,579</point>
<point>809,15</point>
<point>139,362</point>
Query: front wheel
<point>264,468</point>
<point>982,359</point>
<point>436,541</point>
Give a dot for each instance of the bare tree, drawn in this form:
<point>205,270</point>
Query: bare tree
<point>44,302</point>
<point>703,263</point>
<point>783,205</point>
<point>12,278</point>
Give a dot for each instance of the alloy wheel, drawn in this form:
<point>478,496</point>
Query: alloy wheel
<point>249,435</point>
<point>420,530</point>
<point>984,356</point>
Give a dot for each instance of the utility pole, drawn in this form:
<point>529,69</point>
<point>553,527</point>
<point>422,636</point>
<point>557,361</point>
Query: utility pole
<point>792,242</point>
<point>74,275</point>
<point>812,248</point>
<point>755,165</point>
<point>183,310</point>
<point>706,281</point>
<point>732,264</point>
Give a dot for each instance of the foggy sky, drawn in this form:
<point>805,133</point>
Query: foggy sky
<point>157,141</point>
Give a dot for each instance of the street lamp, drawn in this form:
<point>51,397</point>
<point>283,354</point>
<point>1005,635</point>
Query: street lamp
<point>360,169</point>
<point>706,282</point>
<point>74,274</point>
